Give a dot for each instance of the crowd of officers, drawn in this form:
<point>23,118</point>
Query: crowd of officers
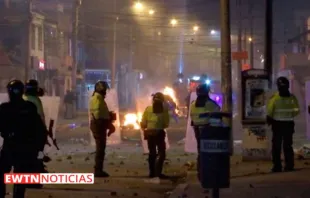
<point>24,131</point>
<point>282,108</point>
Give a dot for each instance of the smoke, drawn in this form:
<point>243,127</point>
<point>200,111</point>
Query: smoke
<point>147,89</point>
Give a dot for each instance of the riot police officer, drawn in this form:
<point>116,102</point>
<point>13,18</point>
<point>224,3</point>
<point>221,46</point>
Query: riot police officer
<point>21,128</point>
<point>32,95</point>
<point>282,108</point>
<point>154,121</point>
<point>202,104</point>
<point>101,121</point>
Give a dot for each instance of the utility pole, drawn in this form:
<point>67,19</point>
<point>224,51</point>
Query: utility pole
<point>268,39</point>
<point>226,57</point>
<point>245,43</point>
<point>113,68</point>
<point>239,63</point>
<point>28,66</point>
<point>76,6</point>
<point>239,44</point>
<point>226,83</point>
<point>251,39</point>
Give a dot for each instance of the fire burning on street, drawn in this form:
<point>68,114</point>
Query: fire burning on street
<point>132,120</point>
<point>171,93</point>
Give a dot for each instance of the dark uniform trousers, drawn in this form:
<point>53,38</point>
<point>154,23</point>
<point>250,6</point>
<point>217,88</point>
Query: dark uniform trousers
<point>157,151</point>
<point>197,135</point>
<point>23,162</point>
<point>282,136</point>
<point>99,129</point>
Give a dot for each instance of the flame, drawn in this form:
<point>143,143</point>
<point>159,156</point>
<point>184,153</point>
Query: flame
<point>170,92</point>
<point>132,119</point>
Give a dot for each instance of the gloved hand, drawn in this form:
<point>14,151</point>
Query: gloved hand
<point>111,130</point>
<point>145,134</point>
<point>40,155</point>
<point>269,120</point>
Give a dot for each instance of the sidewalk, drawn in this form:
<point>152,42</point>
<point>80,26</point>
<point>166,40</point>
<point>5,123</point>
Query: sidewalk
<point>251,180</point>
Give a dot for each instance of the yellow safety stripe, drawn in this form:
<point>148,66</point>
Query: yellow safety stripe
<point>283,119</point>
<point>286,110</point>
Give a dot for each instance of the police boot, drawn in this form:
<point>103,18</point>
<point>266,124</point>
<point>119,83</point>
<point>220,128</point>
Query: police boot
<point>99,169</point>
<point>159,169</point>
<point>101,173</point>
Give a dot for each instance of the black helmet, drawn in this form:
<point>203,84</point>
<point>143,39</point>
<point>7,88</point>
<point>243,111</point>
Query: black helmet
<point>32,83</point>
<point>204,77</point>
<point>32,87</point>
<point>15,89</point>
<point>101,86</point>
<point>203,90</point>
<point>159,97</point>
<point>41,92</point>
<point>283,82</point>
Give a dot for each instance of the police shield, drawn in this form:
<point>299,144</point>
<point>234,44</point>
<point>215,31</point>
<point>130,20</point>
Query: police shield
<point>51,106</point>
<point>112,102</point>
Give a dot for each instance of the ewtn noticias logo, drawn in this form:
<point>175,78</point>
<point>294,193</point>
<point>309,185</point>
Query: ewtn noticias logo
<point>49,178</point>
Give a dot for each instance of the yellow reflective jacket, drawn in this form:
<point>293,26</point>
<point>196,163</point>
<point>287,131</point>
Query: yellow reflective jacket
<point>210,106</point>
<point>38,103</point>
<point>283,108</point>
<point>98,108</point>
<point>151,120</point>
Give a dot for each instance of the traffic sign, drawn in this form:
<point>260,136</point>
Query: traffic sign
<point>240,55</point>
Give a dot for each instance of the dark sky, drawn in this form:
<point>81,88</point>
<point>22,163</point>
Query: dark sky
<point>288,14</point>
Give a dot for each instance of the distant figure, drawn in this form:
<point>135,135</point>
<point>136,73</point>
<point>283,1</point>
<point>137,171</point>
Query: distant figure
<point>69,102</point>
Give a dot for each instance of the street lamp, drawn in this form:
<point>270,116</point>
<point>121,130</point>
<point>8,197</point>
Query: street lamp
<point>173,22</point>
<point>151,12</point>
<point>138,6</point>
<point>213,32</point>
<point>196,28</point>
<point>250,39</point>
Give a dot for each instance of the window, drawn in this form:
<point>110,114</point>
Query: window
<point>40,38</point>
<point>33,37</point>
